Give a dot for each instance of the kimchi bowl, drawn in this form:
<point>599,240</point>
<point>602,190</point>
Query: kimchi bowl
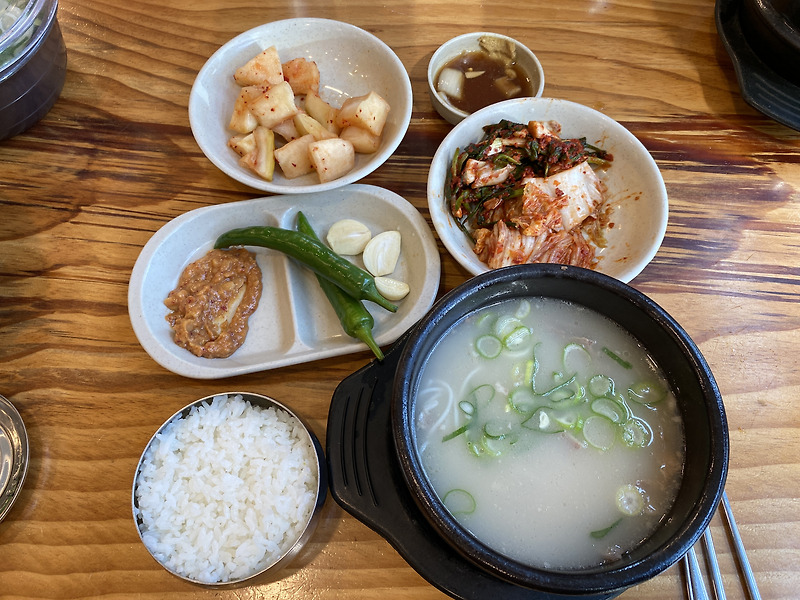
<point>631,209</point>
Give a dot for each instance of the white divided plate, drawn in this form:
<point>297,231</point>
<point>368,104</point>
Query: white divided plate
<point>294,322</point>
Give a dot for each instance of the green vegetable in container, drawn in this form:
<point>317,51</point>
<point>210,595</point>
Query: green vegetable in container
<point>356,320</point>
<point>10,13</point>
<point>353,280</point>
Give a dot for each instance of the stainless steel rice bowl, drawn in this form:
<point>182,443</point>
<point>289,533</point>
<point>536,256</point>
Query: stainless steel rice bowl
<point>229,489</point>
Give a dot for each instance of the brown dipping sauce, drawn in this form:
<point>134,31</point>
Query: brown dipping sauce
<point>214,298</point>
<point>499,81</point>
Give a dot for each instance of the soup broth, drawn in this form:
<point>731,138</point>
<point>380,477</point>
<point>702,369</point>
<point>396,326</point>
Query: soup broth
<point>485,80</point>
<point>549,433</point>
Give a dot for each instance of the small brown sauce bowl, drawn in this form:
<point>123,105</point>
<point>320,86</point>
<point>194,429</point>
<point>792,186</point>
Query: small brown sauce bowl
<point>525,60</point>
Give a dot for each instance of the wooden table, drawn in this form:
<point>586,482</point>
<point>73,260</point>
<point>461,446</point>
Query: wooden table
<point>83,191</point>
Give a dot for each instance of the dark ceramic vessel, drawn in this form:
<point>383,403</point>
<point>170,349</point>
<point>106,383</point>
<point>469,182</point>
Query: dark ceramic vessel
<point>762,38</point>
<point>32,72</point>
<point>773,26</point>
<point>699,399</point>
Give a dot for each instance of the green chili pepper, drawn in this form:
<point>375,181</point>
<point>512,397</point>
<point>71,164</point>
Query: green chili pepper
<point>313,254</point>
<point>356,320</point>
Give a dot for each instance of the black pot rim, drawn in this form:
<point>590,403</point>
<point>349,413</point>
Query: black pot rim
<point>611,577</point>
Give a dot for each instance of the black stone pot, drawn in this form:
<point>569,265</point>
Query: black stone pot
<point>773,28</point>
<point>762,38</point>
<point>376,474</point>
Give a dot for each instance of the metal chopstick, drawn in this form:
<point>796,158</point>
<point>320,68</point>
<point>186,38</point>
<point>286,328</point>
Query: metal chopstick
<point>713,565</point>
<point>694,578</point>
<point>741,555</point>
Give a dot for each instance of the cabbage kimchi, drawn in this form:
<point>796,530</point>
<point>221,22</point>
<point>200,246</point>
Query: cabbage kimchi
<point>525,195</point>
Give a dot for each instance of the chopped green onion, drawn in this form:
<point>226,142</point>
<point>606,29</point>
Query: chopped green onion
<point>482,395</point>
<point>542,420</point>
<point>567,395</point>
<point>610,409</point>
<point>517,338</point>
<point>575,358</point>
<point>475,449</point>
<point>523,310</point>
<point>647,392</point>
<point>468,408</point>
<point>568,419</point>
<point>599,432</point>
<point>484,318</point>
<point>630,500</point>
<point>488,346</point>
<point>601,533</point>
<point>456,433</point>
<point>523,373</point>
<point>621,361</point>
<point>459,502</point>
<point>489,446</point>
<point>503,159</point>
<point>505,325</point>
<point>601,385</point>
<point>578,396</point>
<point>523,400</point>
<point>636,433</point>
<point>531,367</point>
<point>559,386</point>
<point>455,167</point>
<point>496,429</point>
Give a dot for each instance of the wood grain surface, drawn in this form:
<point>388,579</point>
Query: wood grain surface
<point>83,190</point>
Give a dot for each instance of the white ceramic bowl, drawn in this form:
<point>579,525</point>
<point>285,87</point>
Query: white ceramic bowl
<point>469,42</point>
<point>636,190</point>
<point>351,62</point>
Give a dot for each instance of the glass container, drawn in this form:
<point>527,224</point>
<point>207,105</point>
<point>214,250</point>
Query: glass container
<point>33,63</point>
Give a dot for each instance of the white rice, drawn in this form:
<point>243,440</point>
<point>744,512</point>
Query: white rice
<point>226,491</point>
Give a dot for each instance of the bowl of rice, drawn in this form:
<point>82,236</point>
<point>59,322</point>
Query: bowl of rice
<point>229,488</point>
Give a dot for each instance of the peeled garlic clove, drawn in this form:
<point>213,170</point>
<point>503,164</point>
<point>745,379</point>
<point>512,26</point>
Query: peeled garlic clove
<point>348,237</point>
<point>381,253</point>
<point>391,289</point>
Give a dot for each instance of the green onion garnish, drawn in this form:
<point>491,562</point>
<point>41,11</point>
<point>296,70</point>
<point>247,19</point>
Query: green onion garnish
<point>601,533</point>
<point>621,361</point>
